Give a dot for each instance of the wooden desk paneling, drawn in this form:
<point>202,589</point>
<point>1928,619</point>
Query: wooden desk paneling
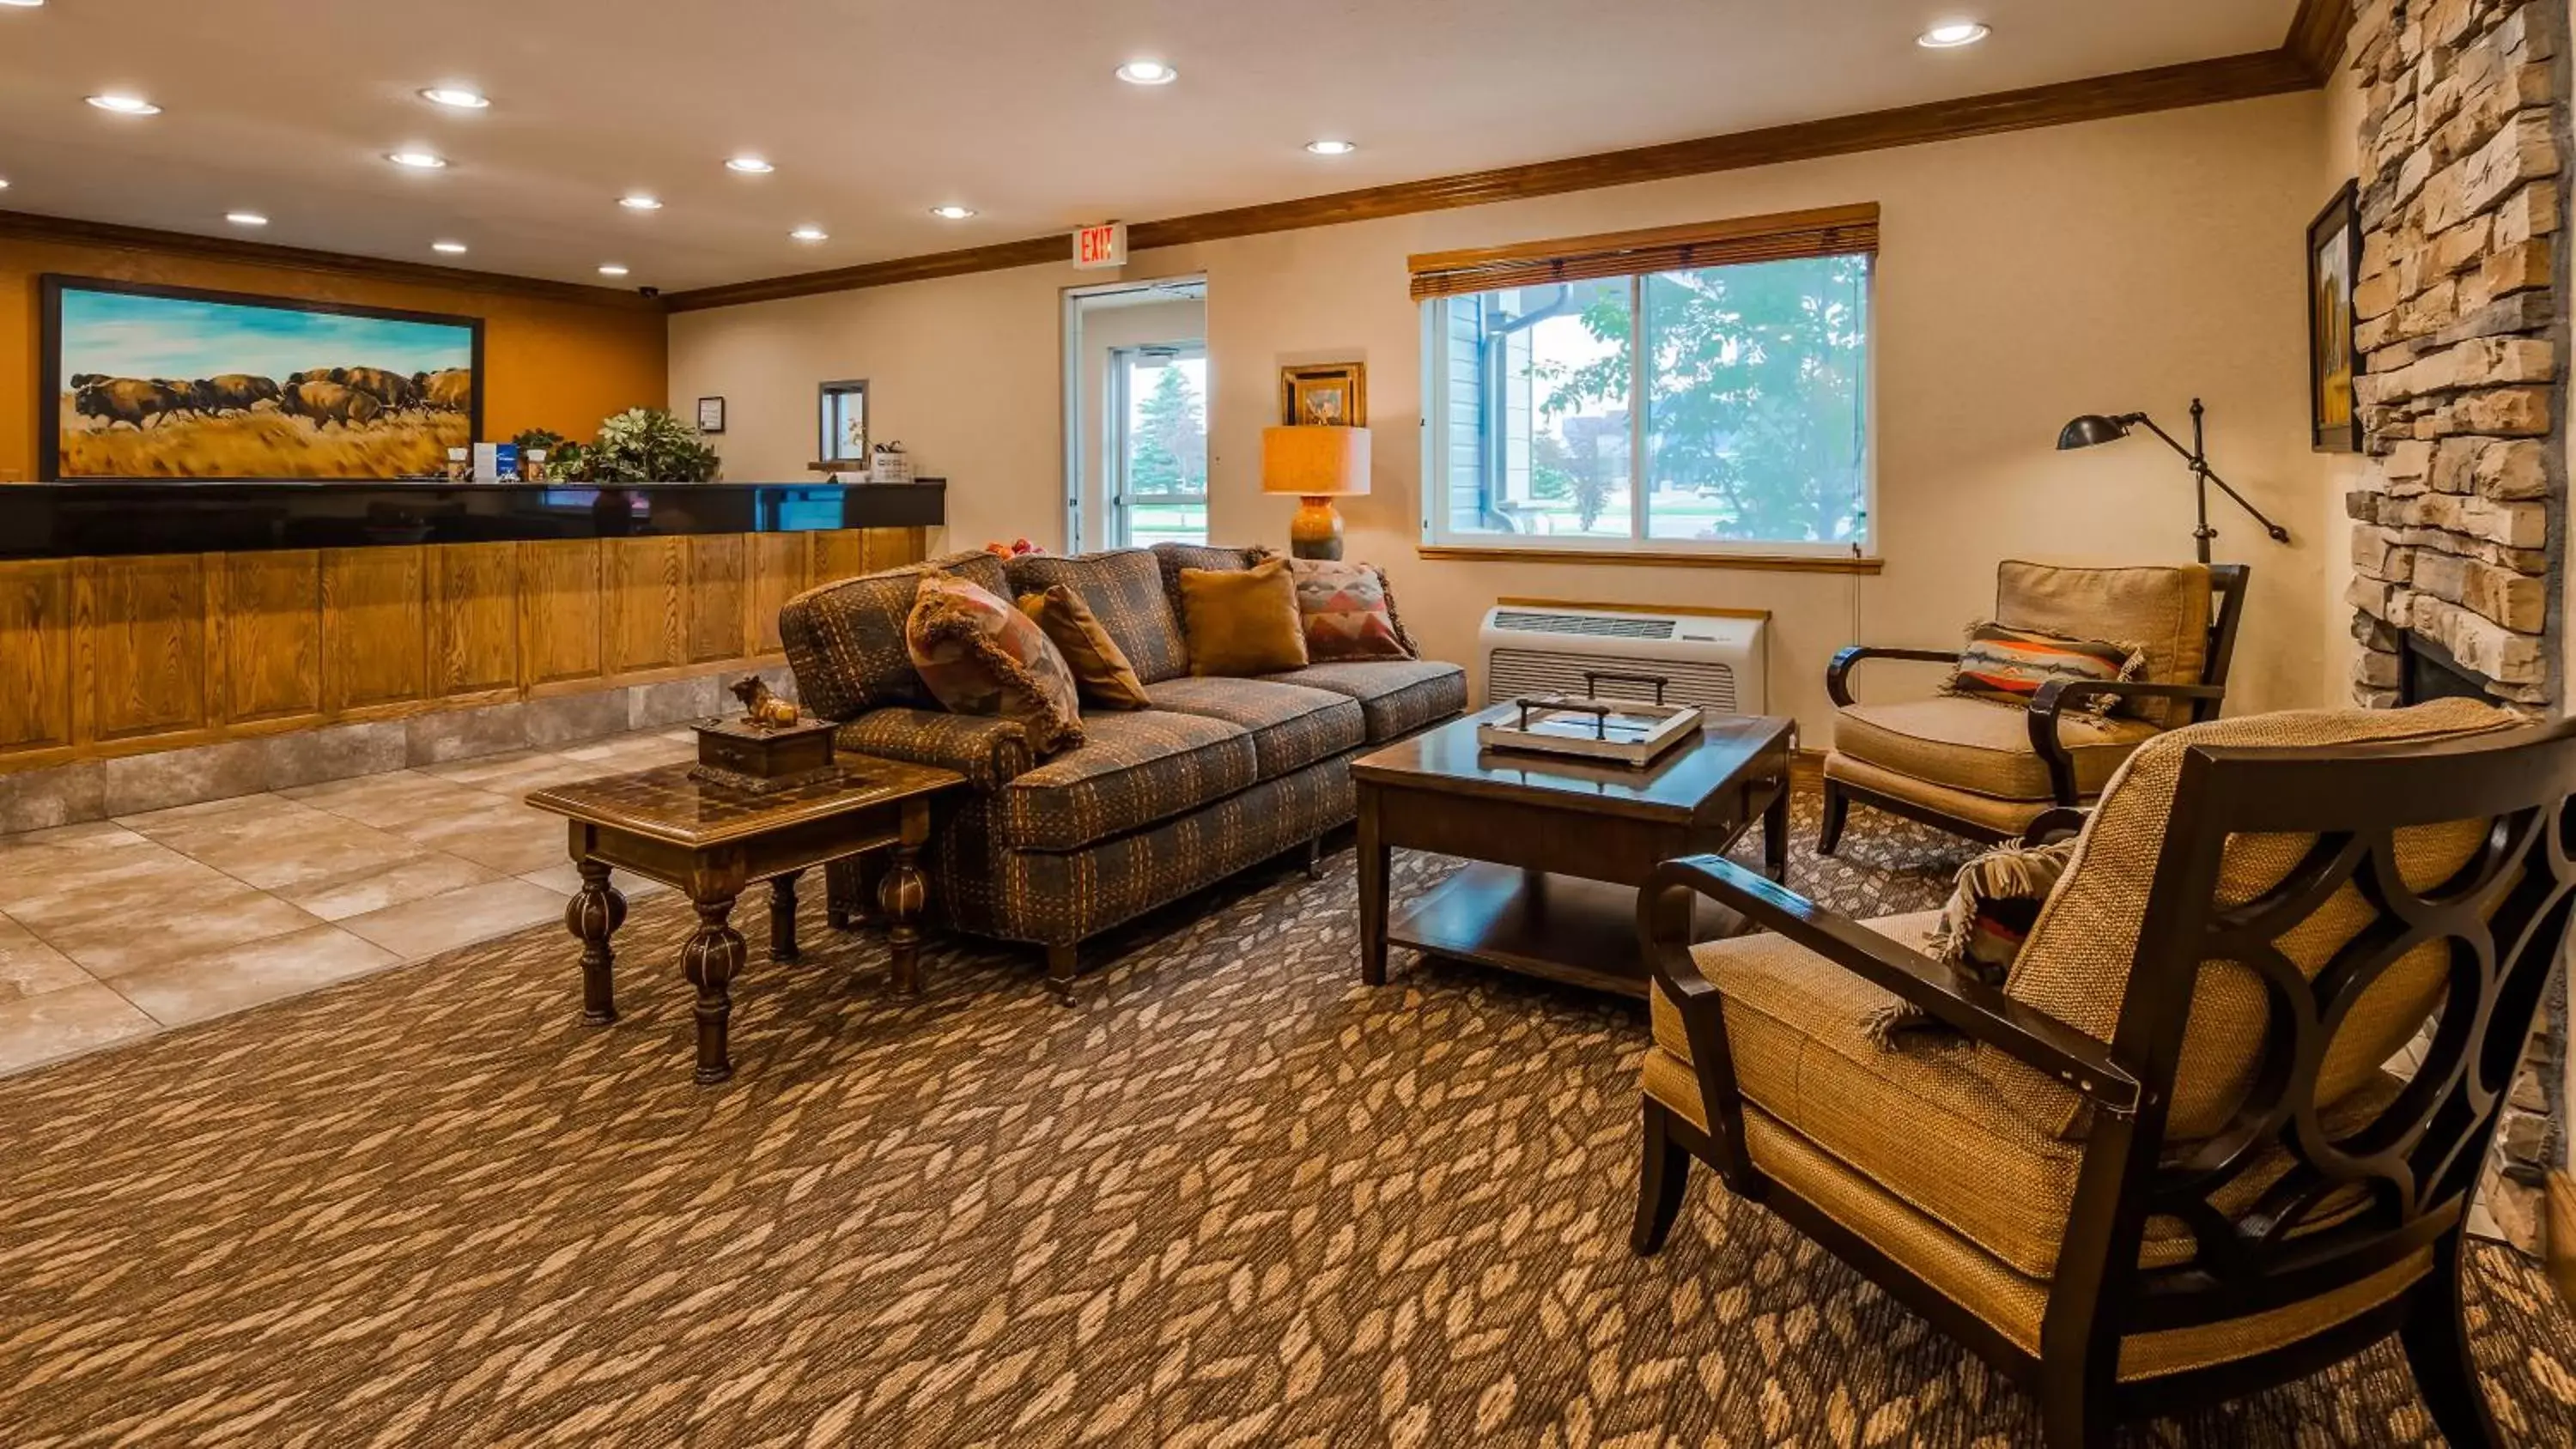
<point>111,656</point>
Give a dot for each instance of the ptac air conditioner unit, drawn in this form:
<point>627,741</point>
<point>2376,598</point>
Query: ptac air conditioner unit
<point>1713,661</point>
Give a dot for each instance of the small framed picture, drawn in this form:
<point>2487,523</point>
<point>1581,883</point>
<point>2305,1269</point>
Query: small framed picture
<point>1331,394</point>
<point>711,415</point>
<point>2334,356</point>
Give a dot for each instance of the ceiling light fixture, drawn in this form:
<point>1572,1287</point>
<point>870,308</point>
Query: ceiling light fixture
<point>417,160</point>
<point>750,165</point>
<point>453,249</point>
<point>952,213</point>
<point>245,218</point>
<point>22,4</point>
<point>456,98</point>
<point>1332,148</point>
<point>1147,73</point>
<point>125,105</point>
<point>1953,34</point>
<point>810,234</point>
<point>611,269</point>
<point>640,202</point>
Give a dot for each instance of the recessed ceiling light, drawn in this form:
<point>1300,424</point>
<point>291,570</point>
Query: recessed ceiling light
<point>1147,73</point>
<point>640,202</point>
<point>453,249</point>
<point>752,165</point>
<point>456,98</point>
<point>810,234</point>
<point>1953,34</point>
<point>22,4</point>
<point>125,105</point>
<point>952,213</point>
<point>611,269</point>
<point>416,160</point>
<point>245,218</point>
<point>1332,148</point>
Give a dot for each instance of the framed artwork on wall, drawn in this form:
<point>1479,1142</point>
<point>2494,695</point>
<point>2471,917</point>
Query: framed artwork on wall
<point>2334,358</point>
<point>142,381</point>
<point>1334,394</point>
<point>711,415</point>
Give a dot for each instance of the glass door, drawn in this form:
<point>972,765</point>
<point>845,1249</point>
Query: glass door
<point>1157,446</point>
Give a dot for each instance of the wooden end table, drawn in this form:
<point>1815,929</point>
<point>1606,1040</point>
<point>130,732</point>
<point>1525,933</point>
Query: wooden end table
<point>1562,843</point>
<point>711,841</point>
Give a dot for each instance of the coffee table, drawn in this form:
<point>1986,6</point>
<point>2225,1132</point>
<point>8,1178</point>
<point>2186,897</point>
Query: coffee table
<point>711,841</point>
<point>1562,844</point>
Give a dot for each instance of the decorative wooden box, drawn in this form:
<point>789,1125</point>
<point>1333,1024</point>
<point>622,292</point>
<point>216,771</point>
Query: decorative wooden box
<point>762,759</point>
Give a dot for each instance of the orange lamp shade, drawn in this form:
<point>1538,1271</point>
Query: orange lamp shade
<point>1315,461</point>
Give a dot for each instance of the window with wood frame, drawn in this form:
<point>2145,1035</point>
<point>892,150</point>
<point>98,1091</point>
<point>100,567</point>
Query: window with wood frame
<point>1698,389</point>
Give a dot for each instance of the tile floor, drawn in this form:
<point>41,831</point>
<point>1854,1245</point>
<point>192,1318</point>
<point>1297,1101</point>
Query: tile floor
<point>120,928</point>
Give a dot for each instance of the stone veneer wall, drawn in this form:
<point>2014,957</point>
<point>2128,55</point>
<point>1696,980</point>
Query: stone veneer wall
<point>2456,524</point>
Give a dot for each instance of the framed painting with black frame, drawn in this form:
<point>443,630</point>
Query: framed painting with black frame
<point>139,380</point>
<point>2334,358</point>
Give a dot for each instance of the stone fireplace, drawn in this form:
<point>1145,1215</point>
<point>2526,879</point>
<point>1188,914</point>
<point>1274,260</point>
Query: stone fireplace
<point>2457,535</point>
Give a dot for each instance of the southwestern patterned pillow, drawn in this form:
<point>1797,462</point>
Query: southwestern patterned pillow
<point>2009,665</point>
<point>1346,611</point>
<point>978,655</point>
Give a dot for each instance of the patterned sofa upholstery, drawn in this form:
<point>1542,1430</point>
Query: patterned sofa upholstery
<point>1218,775</point>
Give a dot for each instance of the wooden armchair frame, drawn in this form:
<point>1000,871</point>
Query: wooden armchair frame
<point>2504,916</point>
<point>2047,708</point>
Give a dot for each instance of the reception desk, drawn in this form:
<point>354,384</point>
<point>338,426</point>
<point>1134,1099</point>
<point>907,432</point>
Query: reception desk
<point>146,617</point>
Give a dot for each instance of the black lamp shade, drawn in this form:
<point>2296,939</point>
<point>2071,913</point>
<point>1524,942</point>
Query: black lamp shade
<point>2090,429</point>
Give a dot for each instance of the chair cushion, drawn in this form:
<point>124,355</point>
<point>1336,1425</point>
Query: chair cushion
<point>1100,667</point>
<point>1242,622</point>
<point>1124,589</point>
<point>1398,696</point>
<point>845,642</point>
<point>1345,611</point>
<point>1291,726</point>
<point>2076,963</point>
<point>2006,819</point>
<point>1132,770</point>
<point>1981,746</point>
<point>2164,609</point>
<point>981,656</point>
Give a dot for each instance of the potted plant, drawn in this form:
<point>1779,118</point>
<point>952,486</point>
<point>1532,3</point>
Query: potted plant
<point>566,460</point>
<point>650,445</point>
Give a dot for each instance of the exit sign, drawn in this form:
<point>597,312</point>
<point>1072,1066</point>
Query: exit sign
<point>1098,247</point>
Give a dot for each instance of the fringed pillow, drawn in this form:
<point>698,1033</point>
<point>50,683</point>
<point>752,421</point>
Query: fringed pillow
<point>1994,902</point>
<point>2009,665</point>
<point>978,655</point>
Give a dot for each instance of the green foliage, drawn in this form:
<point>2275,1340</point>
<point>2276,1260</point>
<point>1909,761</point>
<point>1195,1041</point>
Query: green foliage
<point>650,445</point>
<point>1758,375</point>
<point>566,460</point>
<point>1168,452</point>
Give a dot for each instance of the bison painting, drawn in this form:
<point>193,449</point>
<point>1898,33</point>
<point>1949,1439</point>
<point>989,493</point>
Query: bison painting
<point>235,392</point>
<point>330,402</point>
<point>451,391</point>
<point>127,400</point>
<point>390,388</point>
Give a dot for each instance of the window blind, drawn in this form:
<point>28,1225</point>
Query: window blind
<point>1785,236</point>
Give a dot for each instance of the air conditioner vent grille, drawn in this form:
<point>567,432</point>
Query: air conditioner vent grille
<point>1510,673</point>
<point>1531,621</point>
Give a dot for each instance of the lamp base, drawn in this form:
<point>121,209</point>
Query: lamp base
<point>1316,531</point>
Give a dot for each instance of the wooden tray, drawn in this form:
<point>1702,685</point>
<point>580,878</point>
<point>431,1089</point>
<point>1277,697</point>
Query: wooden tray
<point>1625,731</point>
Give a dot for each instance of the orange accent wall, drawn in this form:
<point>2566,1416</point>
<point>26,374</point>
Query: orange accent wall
<point>549,364</point>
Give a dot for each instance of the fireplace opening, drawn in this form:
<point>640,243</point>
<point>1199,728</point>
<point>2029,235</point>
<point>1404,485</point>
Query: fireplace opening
<point>2426,671</point>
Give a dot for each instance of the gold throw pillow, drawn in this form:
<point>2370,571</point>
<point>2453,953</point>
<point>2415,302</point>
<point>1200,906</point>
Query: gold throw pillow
<point>1243,621</point>
<point>1099,666</point>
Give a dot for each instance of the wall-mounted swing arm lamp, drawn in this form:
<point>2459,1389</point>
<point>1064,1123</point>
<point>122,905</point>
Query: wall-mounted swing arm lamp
<point>2094,428</point>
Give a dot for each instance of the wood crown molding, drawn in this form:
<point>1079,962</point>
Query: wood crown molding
<point>29,226</point>
<point>2318,34</point>
<point>2138,92</point>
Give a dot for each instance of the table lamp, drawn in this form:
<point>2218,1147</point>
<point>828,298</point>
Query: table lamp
<point>1318,463</point>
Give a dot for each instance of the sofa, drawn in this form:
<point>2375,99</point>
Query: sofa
<point>1217,775</point>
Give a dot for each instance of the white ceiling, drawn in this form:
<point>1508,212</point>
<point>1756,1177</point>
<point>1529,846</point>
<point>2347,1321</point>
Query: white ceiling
<point>876,110</point>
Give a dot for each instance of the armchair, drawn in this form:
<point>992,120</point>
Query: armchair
<point>1967,767</point>
<point>2163,1163</point>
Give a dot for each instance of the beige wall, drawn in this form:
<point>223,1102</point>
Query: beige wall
<point>2339,144</point>
<point>2118,265</point>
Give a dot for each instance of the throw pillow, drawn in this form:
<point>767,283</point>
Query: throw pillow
<point>1242,621</point>
<point>2009,665</point>
<point>1994,902</point>
<point>1100,667</point>
<point>978,655</point>
<point>1345,611</point>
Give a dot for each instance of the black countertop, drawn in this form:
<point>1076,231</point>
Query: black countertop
<point>78,519</point>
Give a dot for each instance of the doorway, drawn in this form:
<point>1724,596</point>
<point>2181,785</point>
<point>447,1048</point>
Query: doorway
<point>1136,414</point>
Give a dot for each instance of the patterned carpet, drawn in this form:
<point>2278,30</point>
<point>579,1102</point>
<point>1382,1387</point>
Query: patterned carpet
<point>1236,1200</point>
